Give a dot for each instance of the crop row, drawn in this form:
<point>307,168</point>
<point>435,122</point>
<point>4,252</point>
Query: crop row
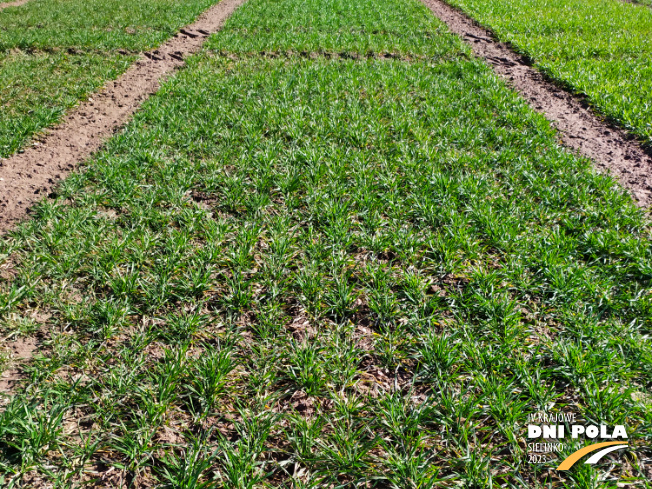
<point>314,272</point>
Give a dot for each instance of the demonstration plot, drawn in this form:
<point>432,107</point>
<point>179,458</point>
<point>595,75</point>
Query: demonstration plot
<point>54,53</point>
<point>328,272</point>
<point>363,28</point>
<point>318,271</point>
<point>601,48</point>
<point>96,24</point>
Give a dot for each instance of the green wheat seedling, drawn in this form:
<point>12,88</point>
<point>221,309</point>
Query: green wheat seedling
<point>303,270</point>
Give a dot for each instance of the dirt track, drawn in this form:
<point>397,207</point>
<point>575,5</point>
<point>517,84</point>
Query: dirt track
<point>17,3</point>
<point>611,148</point>
<point>26,177</point>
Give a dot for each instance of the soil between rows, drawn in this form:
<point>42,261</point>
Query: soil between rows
<point>611,148</point>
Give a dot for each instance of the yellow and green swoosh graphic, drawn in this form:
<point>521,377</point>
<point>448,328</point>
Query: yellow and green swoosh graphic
<point>607,447</point>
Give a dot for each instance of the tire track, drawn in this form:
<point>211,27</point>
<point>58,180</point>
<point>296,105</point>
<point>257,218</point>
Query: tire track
<point>17,3</point>
<point>25,178</point>
<point>611,148</point>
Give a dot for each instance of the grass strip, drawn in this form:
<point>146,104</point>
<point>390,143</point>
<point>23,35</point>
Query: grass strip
<point>600,48</point>
<point>362,27</point>
<point>99,24</point>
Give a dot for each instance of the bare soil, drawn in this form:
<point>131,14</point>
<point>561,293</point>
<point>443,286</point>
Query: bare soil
<point>20,350</point>
<point>17,3</point>
<point>611,148</point>
<point>26,177</point>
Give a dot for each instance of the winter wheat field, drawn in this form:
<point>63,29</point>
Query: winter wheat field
<point>325,244</point>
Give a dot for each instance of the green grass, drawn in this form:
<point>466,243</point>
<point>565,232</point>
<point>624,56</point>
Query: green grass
<point>302,272</point>
<point>600,48</point>
<point>95,24</point>
<point>54,53</point>
<point>336,26</point>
